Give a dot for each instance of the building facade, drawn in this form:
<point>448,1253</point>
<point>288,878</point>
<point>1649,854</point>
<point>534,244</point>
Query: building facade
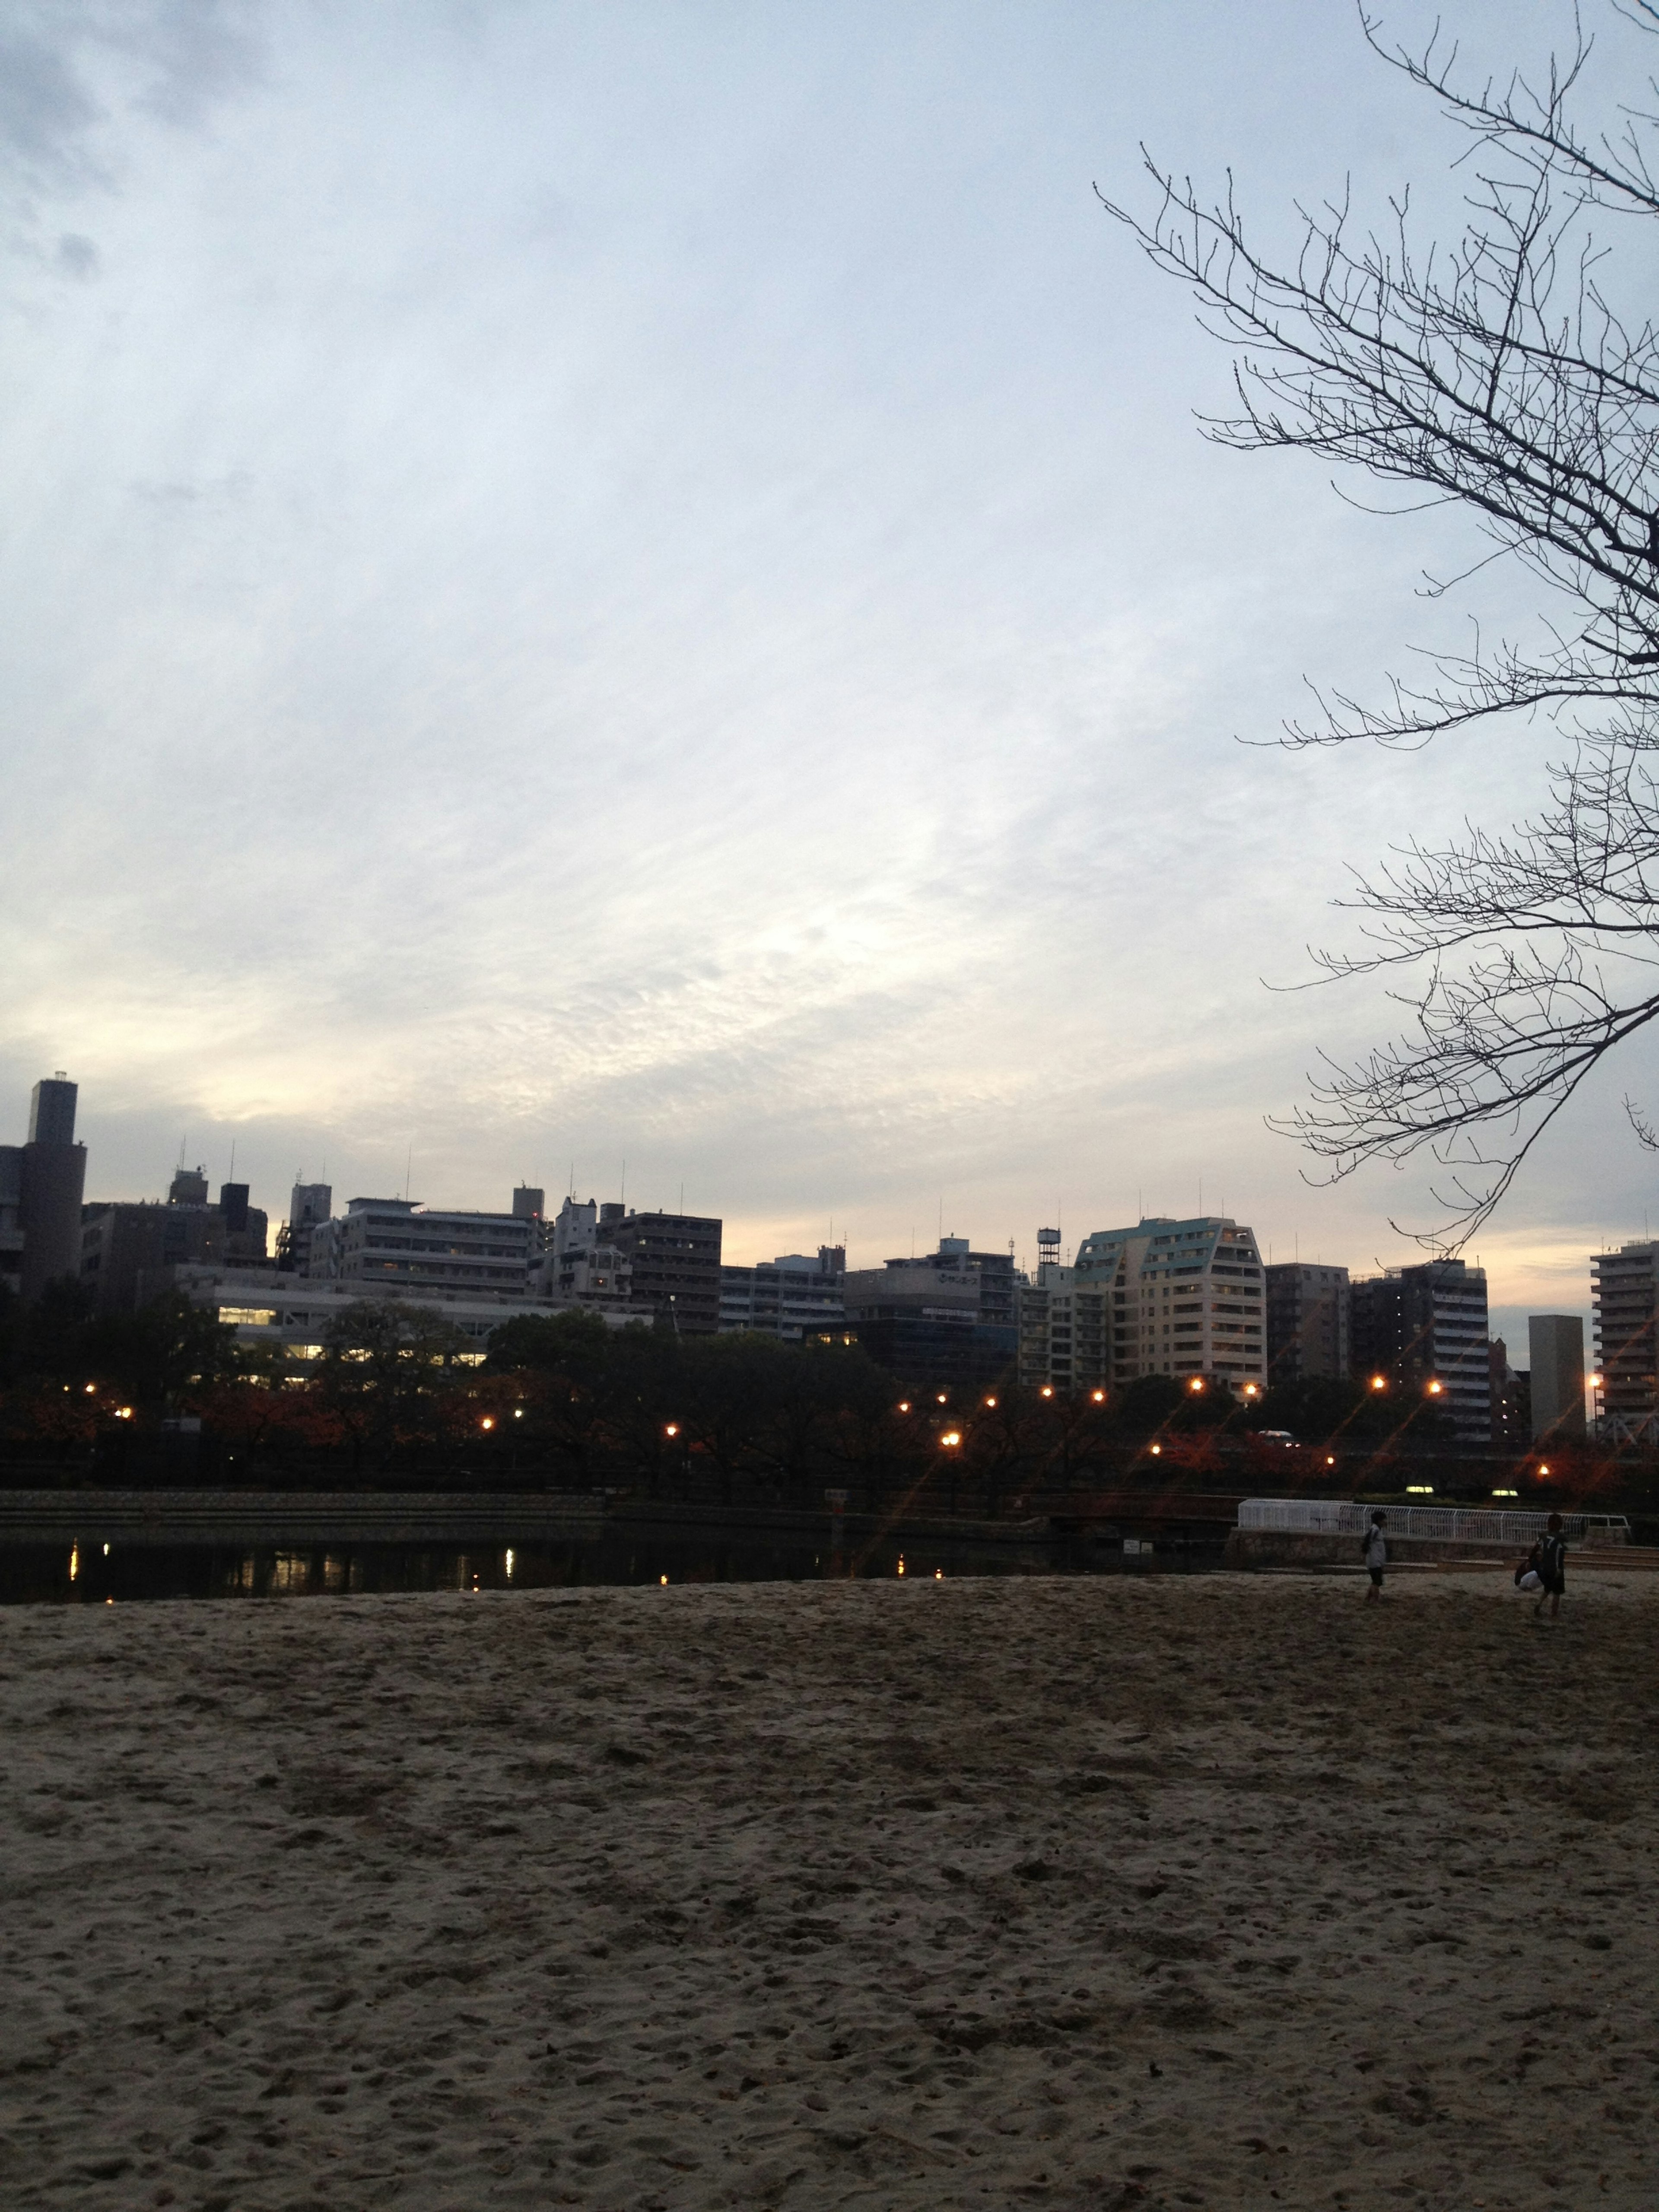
<point>1422,1331</point>
<point>673,1263</point>
<point>792,1297</point>
<point>1555,1344</point>
<point>1181,1297</point>
<point>127,1247</point>
<point>42,1182</point>
<point>394,1248</point>
<point>1308,1322</point>
<point>1625,1290</point>
<point>946,1319</point>
<point>294,1312</point>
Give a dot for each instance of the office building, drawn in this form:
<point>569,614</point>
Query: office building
<point>1064,1329</point>
<point>1308,1321</point>
<point>1422,1330</point>
<point>947,1318</point>
<point>1555,1344</point>
<point>309,1203</point>
<point>791,1296</point>
<point>41,1183</point>
<point>295,1312</point>
<point>1625,1292</point>
<point>396,1247</point>
<point>1185,1298</point>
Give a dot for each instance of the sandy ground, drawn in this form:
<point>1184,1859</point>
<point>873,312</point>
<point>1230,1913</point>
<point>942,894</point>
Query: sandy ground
<point>1107,1893</point>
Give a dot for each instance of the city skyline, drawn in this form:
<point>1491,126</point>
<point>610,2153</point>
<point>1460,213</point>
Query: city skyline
<point>749,690</point>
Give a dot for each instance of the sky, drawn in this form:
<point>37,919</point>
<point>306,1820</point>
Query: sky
<point>632,598</point>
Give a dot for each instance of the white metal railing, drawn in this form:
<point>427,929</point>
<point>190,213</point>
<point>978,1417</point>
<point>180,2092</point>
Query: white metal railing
<point>1468,1524</point>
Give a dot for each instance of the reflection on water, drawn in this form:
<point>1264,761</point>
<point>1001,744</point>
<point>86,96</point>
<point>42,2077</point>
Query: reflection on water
<point>95,1573</point>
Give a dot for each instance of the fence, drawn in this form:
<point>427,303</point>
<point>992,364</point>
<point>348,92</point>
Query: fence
<point>1476,1524</point>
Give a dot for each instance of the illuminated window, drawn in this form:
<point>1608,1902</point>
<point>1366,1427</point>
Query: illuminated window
<point>248,1316</point>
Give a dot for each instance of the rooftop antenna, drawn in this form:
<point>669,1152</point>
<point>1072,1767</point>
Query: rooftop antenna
<point>409,1168</point>
<point>233,1159</point>
<point>183,1141</point>
<point>624,1183</point>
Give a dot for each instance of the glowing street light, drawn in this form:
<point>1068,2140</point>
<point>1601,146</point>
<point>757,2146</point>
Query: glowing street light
<point>1048,1390</point>
<point>488,1422</point>
<point>1196,1384</point>
<point>1435,1388</point>
<point>1379,1382</point>
<point>951,1437</point>
<point>990,1401</point>
<point>904,1405</point>
<point>673,1430</point>
<point>943,1396</point>
<point>1099,1397</point>
<point>1157,1449</point>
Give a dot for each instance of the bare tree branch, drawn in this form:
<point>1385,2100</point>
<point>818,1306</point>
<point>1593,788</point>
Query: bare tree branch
<point>1495,374</point>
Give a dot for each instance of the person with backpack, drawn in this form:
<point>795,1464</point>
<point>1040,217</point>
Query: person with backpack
<point>1552,1568</point>
<point>1374,1549</point>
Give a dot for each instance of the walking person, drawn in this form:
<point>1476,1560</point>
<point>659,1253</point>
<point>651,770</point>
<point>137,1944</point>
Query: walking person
<point>1376,1549</point>
<point>1552,1568</point>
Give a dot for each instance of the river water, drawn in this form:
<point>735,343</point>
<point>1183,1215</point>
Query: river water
<point>120,1573</point>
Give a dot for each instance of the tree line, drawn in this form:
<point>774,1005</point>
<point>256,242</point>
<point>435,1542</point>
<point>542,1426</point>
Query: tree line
<point>397,1395</point>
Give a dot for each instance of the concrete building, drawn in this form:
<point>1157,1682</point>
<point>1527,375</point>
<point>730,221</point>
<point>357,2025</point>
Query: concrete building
<point>1309,1321</point>
<point>126,1249</point>
<point>294,1311</point>
<point>582,1263</point>
<point>393,1247</point>
<point>791,1298</point>
<point>1426,1326</point>
<point>1625,1292</point>
<point>11,1218</point>
<point>41,1184</point>
<point>947,1318</point>
<point>1555,1344</point>
<point>1511,1398</point>
<point>309,1203</point>
<point>673,1262</point>
<point>1185,1298</point>
<point>1064,1329</point>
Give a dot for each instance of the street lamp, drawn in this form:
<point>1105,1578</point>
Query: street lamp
<point>488,1422</point>
<point>1196,1384</point>
<point>1048,1390</point>
<point>1379,1382</point>
<point>1099,1397</point>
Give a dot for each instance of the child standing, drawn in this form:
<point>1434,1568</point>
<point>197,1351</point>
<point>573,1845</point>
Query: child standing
<point>1552,1568</point>
<point>1376,1554</point>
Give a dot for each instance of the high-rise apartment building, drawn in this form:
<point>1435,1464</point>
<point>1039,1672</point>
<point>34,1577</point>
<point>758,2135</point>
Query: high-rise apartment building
<point>1625,1292</point>
<point>1555,1344</point>
<point>1308,1321</point>
<point>41,1183</point>
<point>1184,1298</point>
<point>1423,1329</point>
<point>792,1297</point>
<point>581,1261</point>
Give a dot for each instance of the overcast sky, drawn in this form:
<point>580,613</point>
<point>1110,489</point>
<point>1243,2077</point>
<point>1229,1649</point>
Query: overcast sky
<point>588,585</point>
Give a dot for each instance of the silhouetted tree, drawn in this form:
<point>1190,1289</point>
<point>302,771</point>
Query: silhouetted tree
<point>1505,375</point>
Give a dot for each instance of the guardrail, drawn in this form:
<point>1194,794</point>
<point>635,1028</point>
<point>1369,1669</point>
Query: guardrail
<point>182,1516</point>
<point>1468,1524</point>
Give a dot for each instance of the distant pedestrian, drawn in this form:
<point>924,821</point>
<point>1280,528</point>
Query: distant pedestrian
<point>1552,1568</point>
<point>1376,1549</point>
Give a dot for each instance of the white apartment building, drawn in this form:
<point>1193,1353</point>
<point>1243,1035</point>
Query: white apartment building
<point>581,1264</point>
<point>787,1297</point>
<point>1183,1298</point>
<point>391,1247</point>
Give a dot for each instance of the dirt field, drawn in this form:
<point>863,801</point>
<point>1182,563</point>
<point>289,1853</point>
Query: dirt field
<point>1224,1891</point>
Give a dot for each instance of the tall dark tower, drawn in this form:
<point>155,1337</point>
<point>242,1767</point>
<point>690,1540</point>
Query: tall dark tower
<point>1047,1248</point>
<point>53,1181</point>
